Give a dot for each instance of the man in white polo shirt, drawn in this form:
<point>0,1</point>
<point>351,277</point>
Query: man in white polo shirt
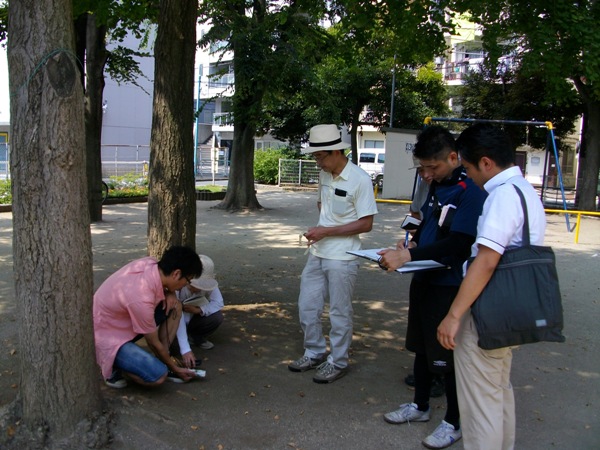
<point>485,395</point>
<point>347,205</point>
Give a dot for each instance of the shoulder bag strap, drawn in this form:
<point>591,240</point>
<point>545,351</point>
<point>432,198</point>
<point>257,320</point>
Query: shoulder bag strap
<point>525,236</point>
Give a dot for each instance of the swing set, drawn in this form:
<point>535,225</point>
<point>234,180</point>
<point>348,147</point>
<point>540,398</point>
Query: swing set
<point>551,138</point>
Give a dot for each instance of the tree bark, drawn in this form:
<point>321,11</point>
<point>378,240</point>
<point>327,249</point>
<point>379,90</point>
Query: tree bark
<point>589,158</point>
<point>247,102</point>
<point>172,197</point>
<point>59,388</point>
<point>95,60</point>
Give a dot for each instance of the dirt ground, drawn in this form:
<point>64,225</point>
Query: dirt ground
<point>250,400</point>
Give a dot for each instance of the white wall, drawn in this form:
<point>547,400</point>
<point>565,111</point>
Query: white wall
<point>128,112</point>
<point>398,180</point>
<point>4,91</point>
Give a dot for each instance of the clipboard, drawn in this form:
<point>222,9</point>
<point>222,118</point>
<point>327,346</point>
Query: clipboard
<point>409,267</point>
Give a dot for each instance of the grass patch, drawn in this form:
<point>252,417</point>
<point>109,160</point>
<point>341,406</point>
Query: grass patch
<point>210,188</point>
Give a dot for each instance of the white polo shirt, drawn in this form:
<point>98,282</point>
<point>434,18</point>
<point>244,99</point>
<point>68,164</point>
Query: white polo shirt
<point>501,222</point>
<point>344,199</point>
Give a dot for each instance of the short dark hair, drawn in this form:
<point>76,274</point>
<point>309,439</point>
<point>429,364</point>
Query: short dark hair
<point>183,258</point>
<point>484,139</point>
<point>434,142</point>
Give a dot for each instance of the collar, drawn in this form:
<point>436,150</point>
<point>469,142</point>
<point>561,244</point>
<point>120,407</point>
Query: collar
<point>502,178</point>
<point>345,173</point>
<point>459,174</point>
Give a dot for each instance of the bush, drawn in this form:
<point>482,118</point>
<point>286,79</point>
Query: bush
<point>5,192</point>
<point>266,163</point>
<point>129,185</point>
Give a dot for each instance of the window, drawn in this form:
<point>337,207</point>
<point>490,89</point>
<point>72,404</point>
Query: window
<point>366,158</point>
<point>371,143</point>
<point>381,158</point>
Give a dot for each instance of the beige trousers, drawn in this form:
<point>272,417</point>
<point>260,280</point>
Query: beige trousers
<point>485,395</point>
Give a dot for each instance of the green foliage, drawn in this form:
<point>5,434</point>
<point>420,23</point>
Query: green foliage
<point>129,185</point>
<point>556,39</point>
<point>210,188</point>
<point>5,192</point>
<point>516,96</point>
<point>266,164</point>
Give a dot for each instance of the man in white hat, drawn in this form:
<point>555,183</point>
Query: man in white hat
<point>347,205</point>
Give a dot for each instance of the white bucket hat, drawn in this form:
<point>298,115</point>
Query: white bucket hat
<point>206,281</point>
<point>325,138</point>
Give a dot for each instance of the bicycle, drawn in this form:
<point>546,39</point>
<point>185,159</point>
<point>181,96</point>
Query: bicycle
<point>104,191</point>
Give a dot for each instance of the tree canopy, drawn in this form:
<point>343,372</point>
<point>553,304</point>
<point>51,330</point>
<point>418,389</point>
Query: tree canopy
<point>553,41</point>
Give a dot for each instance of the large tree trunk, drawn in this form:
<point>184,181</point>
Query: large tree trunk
<point>589,158</point>
<point>247,103</point>
<point>95,61</point>
<point>59,386</point>
<point>241,194</point>
<point>172,196</point>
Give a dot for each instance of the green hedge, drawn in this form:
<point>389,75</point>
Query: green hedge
<point>266,163</point>
<point>5,193</point>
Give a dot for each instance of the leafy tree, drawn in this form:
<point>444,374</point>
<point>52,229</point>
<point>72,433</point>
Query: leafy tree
<point>516,96</point>
<point>52,240</point>
<point>96,21</point>
<point>366,41</point>
<point>555,40</point>
<point>267,41</point>
<point>172,195</point>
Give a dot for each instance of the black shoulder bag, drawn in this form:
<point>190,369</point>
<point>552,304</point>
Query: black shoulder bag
<point>521,304</point>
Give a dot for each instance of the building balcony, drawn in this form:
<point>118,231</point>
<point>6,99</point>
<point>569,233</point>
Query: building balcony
<point>222,122</point>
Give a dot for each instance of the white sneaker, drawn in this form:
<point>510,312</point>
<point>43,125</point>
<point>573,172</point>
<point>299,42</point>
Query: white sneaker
<point>407,412</point>
<point>444,436</point>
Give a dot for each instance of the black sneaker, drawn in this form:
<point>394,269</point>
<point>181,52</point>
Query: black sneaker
<point>172,377</point>
<point>116,380</point>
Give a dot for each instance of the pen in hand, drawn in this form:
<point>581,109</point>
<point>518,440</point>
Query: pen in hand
<point>406,240</point>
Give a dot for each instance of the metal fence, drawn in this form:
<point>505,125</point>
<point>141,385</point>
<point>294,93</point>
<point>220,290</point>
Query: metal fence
<point>119,160</point>
<point>298,172</point>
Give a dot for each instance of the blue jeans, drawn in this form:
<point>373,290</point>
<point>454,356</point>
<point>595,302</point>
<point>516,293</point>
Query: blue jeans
<point>133,359</point>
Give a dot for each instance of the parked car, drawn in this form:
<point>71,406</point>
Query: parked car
<point>372,161</point>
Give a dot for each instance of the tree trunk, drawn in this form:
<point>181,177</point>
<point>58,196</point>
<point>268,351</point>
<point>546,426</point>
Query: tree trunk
<point>589,158</point>
<point>240,190</point>
<point>95,61</point>
<point>172,196</point>
<point>247,103</point>
<point>59,388</point>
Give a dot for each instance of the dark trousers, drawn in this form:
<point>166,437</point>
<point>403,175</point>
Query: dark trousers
<point>200,327</point>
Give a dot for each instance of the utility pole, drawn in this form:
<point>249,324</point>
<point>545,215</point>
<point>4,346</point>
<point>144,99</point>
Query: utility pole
<point>393,91</point>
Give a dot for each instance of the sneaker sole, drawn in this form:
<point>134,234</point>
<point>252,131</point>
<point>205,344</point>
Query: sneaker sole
<point>446,446</point>
<point>116,386</point>
<point>406,421</point>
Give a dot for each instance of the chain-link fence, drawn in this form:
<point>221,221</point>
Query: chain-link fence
<point>298,172</point>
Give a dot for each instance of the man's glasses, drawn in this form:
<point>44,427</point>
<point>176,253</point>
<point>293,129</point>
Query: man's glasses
<point>320,157</point>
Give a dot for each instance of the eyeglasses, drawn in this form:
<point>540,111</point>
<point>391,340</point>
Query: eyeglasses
<point>320,157</point>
